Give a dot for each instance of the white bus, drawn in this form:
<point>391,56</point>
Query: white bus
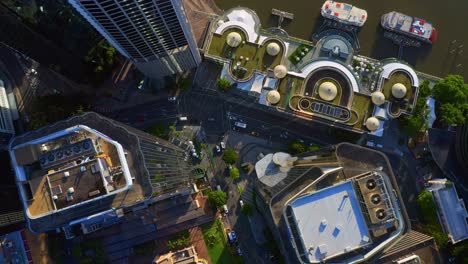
<point>240,124</point>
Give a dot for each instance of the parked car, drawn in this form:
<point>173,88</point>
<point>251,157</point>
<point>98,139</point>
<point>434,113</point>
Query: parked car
<point>255,133</point>
<point>218,149</point>
<point>223,145</point>
<point>226,210</point>
<point>241,203</point>
<point>239,251</point>
<point>232,237</point>
<point>172,99</point>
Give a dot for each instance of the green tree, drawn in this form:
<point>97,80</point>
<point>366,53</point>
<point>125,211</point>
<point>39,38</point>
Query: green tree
<point>296,147</point>
<point>451,94</point>
<point>223,83</point>
<point>416,123</point>
<point>230,156</point>
<point>158,130</point>
<point>425,89</point>
<point>234,173</point>
<point>452,89</point>
<point>183,84</point>
<point>217,198</point>
<point>247,209</point>
<point>451,114</point>
<point>179,241</point>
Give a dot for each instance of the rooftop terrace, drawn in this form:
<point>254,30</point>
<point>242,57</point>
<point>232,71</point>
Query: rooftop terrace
<point>67,169</point>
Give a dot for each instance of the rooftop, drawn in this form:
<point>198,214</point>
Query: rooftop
<point>248,62</point>
<point>451,209</point>
<point>339,228</point>
<point>67,168</point>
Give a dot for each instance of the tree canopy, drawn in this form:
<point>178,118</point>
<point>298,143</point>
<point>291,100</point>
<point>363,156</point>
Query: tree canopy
<point>452,95</point>
<point>296,147</point>
<point>230,156</point>
<point>247,209</point>
<point>414,124</point>
<point>234,173</point>
<point>158,130</point>
<point>223,83</point>
<point>217,198</point>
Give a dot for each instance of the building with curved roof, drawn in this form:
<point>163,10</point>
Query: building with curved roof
<point>323,82</point>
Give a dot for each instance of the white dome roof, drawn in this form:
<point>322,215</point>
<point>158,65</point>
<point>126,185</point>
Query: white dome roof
<point>328,91</point>
<point>280,71</point>
<point>399,90</point>
<point>372,123</point>
<point>273,49</point>
<point>273,97</point>
<point>233,39</point>
<point>378,98</point>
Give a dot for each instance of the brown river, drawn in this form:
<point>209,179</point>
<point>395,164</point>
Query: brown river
<point>450,17</point>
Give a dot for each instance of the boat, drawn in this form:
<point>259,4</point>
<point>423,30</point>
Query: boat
<point>412,27</point>
<point>344,13</point>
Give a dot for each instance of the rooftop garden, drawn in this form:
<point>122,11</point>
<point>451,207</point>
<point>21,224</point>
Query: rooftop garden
<point>299,53</point>
<point>362,105</point>
<point>399,105</point>
<point>247,57</point>
<point>288,87</point>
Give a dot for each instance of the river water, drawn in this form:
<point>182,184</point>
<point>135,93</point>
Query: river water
<point>446,55</point>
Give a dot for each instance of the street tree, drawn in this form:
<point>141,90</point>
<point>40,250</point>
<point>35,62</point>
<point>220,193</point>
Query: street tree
<point>452,89</point>
<point>451,95</point>
<point>247,209</point>
<point>451,114</point>
<point>223,83</point>
<point>296,147</point>
<point>234,173</point>
<point>158,130</point>
<point>217,198</point>
<point>230,156</point>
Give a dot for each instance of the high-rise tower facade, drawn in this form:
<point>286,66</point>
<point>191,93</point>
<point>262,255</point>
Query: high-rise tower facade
<point>154,34</point>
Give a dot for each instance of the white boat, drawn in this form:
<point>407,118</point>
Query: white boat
<point>344,13</point>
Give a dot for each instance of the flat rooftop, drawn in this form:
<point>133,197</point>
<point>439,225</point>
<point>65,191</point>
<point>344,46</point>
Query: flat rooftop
<point>453,212</point>
<point>330,222</point>
<point>68,168</point>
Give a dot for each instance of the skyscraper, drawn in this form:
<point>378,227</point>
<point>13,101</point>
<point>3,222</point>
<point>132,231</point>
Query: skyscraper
<point>85,171</point>
<point>154,34</point>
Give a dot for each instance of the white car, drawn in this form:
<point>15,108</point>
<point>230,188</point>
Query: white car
<point>241,203</point>
<point>172,99</point>
<point>223,145</point>
<point>218,149</point>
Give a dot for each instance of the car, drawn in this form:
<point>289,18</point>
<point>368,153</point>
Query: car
<point>239,251</point>
<point>232,118</point>
<point>226,210</point>
<point>218,149</point>
<point>222,144</point>
<point>232,237</point>
<point>241,203</point>
<point>211,119</point>
<point>172,99</point>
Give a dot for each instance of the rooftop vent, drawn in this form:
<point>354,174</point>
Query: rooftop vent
<point>376,198</point>
<point>380,214</point>
<point>370,184</point>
